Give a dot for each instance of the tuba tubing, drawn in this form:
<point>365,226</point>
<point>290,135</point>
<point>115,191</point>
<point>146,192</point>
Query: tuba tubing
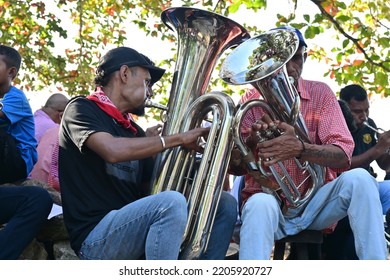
<point>203,190</point>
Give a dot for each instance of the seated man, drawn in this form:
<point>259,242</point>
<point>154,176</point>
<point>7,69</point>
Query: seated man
<point>264,214</point>
<point>17,142</point>
<point>106,164</point>
<point>47,122</point>
<point>50,114</point>
<point>23,209</point>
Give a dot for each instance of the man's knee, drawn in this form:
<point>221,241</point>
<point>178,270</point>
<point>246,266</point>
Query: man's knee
<point>360,183</point>
<point>359,177</point>
<point>261,203</point>
<point>39,199</point>
<point>177,203</point>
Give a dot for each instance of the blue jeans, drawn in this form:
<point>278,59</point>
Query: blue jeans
<point>153,227</point>
<point>340,244</point>
<point>222,231</point>
<point>24,210</point>
<point>384,195</point>
<point>354,194</point>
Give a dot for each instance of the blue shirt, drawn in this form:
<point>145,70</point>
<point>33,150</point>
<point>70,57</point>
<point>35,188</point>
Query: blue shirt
<point>19,122</point>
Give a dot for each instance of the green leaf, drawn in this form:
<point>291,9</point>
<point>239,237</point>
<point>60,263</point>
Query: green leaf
<point>345,43</point>
<point>343,18</point>
<point>234,7</point>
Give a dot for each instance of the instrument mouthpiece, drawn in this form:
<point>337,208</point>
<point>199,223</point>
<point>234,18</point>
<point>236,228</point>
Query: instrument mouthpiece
<point>150,104</point>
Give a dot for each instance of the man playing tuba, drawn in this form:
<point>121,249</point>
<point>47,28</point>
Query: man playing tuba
<point>105,164</point>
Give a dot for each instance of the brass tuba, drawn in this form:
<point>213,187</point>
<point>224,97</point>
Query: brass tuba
<point>202,37</point>
<point>260,61</point>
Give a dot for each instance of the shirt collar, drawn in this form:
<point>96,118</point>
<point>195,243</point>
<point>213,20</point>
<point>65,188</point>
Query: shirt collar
<point>302,89</point>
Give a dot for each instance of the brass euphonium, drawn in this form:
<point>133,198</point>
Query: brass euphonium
<point>260,61</point>
<point>202,37</point>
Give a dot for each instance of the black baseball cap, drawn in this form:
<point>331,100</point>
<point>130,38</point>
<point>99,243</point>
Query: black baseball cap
<point>114,59</point>
<point>297,32</point>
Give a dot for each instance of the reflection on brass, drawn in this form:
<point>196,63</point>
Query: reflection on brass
<point>274,49</point>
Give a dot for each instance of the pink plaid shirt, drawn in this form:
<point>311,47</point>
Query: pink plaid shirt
<point>324,121</point>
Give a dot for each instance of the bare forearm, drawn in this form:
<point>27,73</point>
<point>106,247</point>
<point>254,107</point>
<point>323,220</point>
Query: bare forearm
<point>134,149</point>
<point>325,155</point>
<point>125,149</point>
<point>364,159</point>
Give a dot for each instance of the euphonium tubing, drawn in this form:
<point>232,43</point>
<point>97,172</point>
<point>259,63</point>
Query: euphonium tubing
<point>260,61</point>
<point>202,37</point>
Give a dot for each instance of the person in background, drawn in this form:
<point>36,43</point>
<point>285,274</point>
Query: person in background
<point>331,146</point>
<point>106,164</point>
<point>18,152</point>
<point>47,120</point>
<point>46,168</point>
<point>369,145</point>
<point>23,209</point>
<point>50,114</point>
<point>355,107</point>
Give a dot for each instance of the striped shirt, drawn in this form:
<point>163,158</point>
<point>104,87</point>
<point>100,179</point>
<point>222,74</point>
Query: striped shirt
<point>325,124</point>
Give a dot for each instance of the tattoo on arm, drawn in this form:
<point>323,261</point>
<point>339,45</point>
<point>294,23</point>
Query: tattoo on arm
<point>324,154</point>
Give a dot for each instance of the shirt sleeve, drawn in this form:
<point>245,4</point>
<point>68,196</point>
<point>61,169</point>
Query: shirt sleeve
<point>16,106</point>
<point>80,120</point>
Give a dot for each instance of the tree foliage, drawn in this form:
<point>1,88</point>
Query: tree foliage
<point>61,41</point>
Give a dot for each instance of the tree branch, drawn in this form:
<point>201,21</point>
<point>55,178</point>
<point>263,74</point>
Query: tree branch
<point>341,30</point>
<point>377,20</point>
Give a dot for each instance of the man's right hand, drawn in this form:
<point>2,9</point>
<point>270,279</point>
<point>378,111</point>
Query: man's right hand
<point>383,142</point>
<point>192,137</point>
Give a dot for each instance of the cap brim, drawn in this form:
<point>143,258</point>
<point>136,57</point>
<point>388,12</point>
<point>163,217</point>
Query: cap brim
<point>155,73</point>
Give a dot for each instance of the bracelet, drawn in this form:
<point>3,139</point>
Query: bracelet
<point>303,148</point>
<point>162,142</point>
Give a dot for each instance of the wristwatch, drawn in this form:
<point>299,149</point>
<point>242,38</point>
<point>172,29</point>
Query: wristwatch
<point>1,104</point>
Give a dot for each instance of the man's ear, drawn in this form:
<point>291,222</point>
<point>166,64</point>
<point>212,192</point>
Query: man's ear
<point>12,72</point>
<point>123,72</point>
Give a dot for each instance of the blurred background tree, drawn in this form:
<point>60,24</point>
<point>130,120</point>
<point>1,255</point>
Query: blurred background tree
<point>62,41</point>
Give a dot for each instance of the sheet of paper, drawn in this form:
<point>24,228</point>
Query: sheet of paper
<point>55,211</point>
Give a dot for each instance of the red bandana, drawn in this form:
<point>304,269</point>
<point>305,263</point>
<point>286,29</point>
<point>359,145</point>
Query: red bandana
<point>104,103</point>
